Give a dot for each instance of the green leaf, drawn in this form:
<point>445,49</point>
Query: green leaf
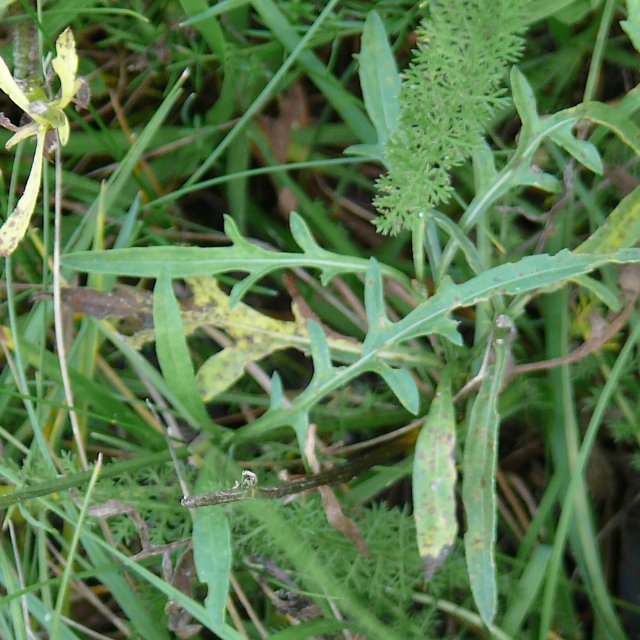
<point>523,598</point>
<point>583,151</point>
<point>244,256</point>
<point>212,550</point>
<point>212,556</point>
<point>322,367</point>
<point>478,486</point>
<point>611,117</point>
<point>525,104</point>
<point>403,386</point>
<point>379,78</point>
<point>631,25</point>
<point>434,481</point>
<point>620,230</point>
<point>433,317</point>
<point>531,273</point>
<point>172,351</point>
<point>484,168</point>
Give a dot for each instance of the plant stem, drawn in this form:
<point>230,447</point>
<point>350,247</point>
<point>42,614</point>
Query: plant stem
<point>598,51</point>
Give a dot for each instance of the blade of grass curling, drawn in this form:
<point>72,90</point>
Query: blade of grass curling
<point>434,481</point>
<point>478,486</point>
<point>172,351</point>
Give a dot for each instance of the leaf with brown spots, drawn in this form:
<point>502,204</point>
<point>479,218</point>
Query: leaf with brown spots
<point>434,481</point>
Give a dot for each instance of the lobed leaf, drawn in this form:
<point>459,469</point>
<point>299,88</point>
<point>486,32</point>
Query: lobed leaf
<point>532,273</point>
<point>244,256</point>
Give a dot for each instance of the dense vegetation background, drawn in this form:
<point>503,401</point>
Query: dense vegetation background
<point>281,235</point>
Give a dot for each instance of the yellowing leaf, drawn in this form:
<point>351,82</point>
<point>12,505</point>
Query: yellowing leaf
<point>61,123</point>
<point>65,64</point>
<point>15,227</point>
<point>22,133</point>
<point>11,88</point>
<point>434,481</point>
<point>46,116</point>
<point>620,230</point>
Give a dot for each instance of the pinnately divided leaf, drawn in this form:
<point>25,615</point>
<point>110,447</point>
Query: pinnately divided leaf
<point>434,317</point>
<point>244,256</point>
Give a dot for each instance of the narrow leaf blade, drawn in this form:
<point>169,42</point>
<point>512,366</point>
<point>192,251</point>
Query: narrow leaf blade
<point>478,487</point>
<point>620,230</point>
<point>403,386</point>
<point>15,227</point>
<point>379,78</point>
<point>434,480</point>
<point>479,497</point>
<point>212,555</point>
<point>172,351</point>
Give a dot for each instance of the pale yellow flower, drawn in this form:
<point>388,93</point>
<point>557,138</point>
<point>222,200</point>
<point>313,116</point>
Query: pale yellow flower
<point>46,117</point>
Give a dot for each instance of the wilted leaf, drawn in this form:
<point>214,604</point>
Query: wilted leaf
<point>14,228</point>
<point>434,480</point>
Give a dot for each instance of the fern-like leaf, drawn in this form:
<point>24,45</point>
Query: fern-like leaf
<point>448,94</point>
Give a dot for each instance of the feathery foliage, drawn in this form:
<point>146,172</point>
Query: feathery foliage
<point>453,85</point>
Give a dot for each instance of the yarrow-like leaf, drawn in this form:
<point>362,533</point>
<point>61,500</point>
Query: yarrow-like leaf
<point>45,118</point>
<point>448,94</point>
